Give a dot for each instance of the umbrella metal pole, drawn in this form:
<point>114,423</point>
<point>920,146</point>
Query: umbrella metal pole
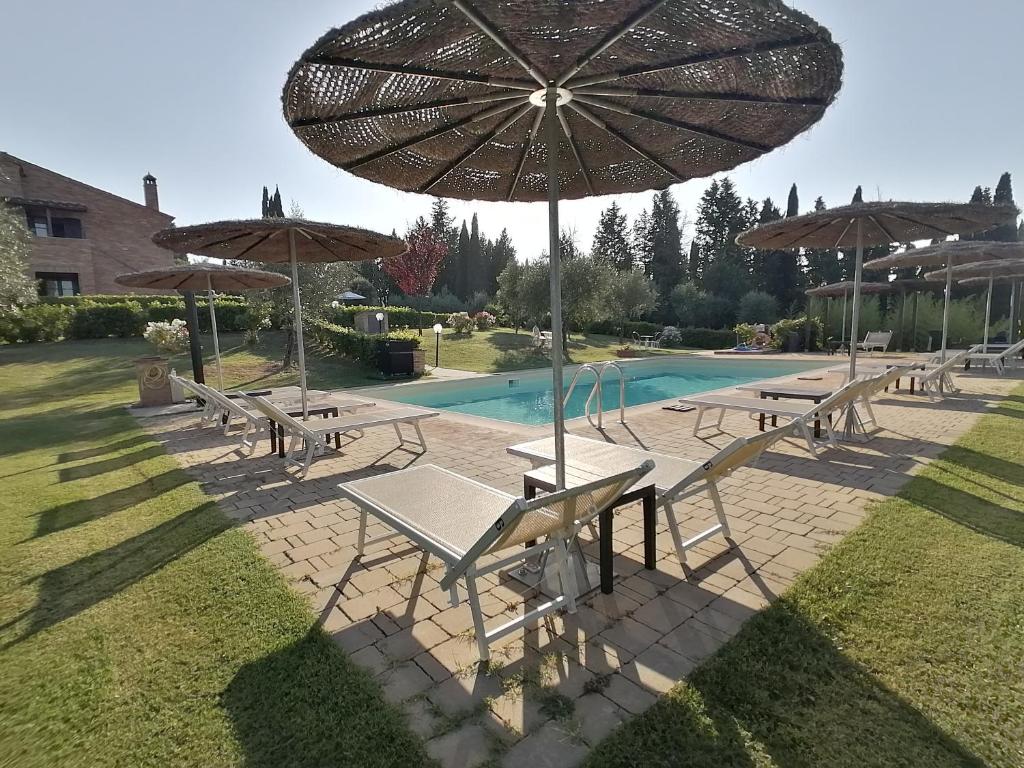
<point>298,323</point>
<point>913,325</point>
<point>903,313</point>
<point>552,137</point>
<point>988,313</point>
<point>845,297</point>
<point>852,417</point>
<point>945,310</point>
<point>1011,335</point>
<point>213,328</point>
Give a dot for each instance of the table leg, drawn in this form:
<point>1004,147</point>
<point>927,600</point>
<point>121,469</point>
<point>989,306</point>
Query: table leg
<point>775,419</point>
<point>280,440</point>
<point>760,419</point>
<point>607,556</point>
<point>337,435</point>
<point>650,531</point>
<point>273,436</point>
<point>529,492</point>
<point>817,422</point>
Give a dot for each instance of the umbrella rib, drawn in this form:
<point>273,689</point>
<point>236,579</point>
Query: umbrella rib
<point>654,93</point>
<point>613,36</point>
<point>904,217</point>
<point>503,126</point>
<point>845,232</point>
<point>184,280</point>
<point>888,233</point>
<point>802,235</point>
<point>526,152</point>
<point>259,242</point>
<point>433,134</point>
<point>673,123</point>
<point>489,29</point>
<point>405,69</point>
<point>225,241</point>
<point>703,58</point>
<point>316,237</point>
<point>403,109</point>
<point>645,154</point>
<point>575,150</point>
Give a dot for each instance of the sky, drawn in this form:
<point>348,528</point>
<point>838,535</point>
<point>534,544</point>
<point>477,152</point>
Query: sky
<point>189,90</point>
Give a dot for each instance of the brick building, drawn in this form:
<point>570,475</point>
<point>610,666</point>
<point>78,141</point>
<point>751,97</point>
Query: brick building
<point>83,236</point>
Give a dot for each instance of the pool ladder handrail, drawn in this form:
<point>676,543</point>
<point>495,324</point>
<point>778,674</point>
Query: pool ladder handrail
<point>599,369</point>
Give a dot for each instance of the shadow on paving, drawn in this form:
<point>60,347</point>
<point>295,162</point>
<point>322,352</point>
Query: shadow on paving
<point>67,591</point>
<point>308,705</point>
<point>782,691</point>
<point>74,513</point>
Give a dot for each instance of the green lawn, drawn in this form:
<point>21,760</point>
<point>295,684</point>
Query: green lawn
<point>903,647</point>
<point>136,628</point>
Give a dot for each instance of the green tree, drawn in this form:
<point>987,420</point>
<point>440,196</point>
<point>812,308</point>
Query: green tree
<point>500,254</point>
<point>668,266</point>
<point>510,297</point>
<point>266,203</point>
<point>463,284</point>
<point>777,272</point>
<point>17,288</point>
<point>643,245</point>
<point>858,196</point>
<point>443,225</point>
<point>611,241</point>
<point>477,271</point>
<point>721,216</point>
<point>758,307</point>
<point>1007,232</point>
<point>632,294</point>
<point>793,206</point>
<point>823,265</point>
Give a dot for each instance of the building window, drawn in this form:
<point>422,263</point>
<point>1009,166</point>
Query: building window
<point>42,223</point>
<point>58,283</point>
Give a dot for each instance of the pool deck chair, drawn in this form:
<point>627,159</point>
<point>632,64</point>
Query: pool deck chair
<point>802,416</point>
<point>997,360</point>
<point>210,410</point>
<point>875,341</point>
<point>936,380</point>
<point>673,479</point>
<point>468,526</point>
<point>309,437</point>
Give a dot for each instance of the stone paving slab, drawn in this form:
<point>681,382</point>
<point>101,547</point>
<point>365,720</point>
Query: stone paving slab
<point>561,686</point>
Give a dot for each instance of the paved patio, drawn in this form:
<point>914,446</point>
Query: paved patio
<point>559,688</point>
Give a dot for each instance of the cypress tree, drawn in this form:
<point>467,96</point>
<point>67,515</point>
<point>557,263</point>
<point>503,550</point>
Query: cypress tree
<point>266,203</point>
<point>276,208</point>
<point>476,268</point>
<point>611,241</point>
<point>858,196</point>
<point>463,262</point>
<point>667,263</point>
<point>793,208</point>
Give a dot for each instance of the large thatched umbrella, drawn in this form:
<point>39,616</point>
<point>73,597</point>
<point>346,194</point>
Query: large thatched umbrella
<point>205,277</point>
<point>948,255</point>
<point>870,224</point>
<point>282,241</point>
<point>1008,262</point>
<point>448,97</point>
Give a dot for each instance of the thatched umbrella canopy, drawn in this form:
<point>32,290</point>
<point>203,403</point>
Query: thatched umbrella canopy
<point>282,241</point>
<point>449,98</point>
<point>209,278</point>
<point>1009,263</point>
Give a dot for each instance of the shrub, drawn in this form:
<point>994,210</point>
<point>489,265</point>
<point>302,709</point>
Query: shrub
<point>758,307</point>
<point>355,345</point>
<point>36,322</point>
<point>484,321</point>
<point>615,327</point>
<point>782,329</point>
<point>706,338</point>
<point>168,338</point>
<point>745,332</point>
<point>671,337</point>
<point>398,317</point>
<point>461,323</point>
<point>99,321</point>
<point>696,309</point>
<point>477,302</point>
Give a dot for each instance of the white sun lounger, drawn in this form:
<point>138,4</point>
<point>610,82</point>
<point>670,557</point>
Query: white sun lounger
<point>673,479</point>
<point>997,360</point>
<point>461,522</point>
<point>309,437</point>
<point>802,415</point>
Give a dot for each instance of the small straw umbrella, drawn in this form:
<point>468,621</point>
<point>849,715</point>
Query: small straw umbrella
<point>1000,267</point>
<point>835,290</point>
<point>282,241</point>
<point>205,277</point>
<point>948,255</point>
<point>448,97</point>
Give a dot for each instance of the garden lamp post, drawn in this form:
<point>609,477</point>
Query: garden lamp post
<point>438,329</point>
<point>380,323</point>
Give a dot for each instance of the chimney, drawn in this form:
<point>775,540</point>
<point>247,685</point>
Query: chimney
<point>149,190</point>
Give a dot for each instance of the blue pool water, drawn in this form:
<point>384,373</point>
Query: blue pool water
<point>526,398</point>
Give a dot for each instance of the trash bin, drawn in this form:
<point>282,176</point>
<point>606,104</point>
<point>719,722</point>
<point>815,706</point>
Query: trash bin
<point>792,342</point>
<point>154,381</point>
<point>396,358</point>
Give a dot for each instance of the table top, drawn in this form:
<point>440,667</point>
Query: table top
<point>794,391</point>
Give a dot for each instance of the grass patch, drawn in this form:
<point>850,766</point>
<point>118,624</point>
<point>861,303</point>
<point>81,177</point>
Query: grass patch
<point>903,647</point>
<point>136,627</point>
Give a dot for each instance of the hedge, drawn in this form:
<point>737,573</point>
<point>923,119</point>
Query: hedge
<point>706,338</point>
<point>398,317</point>
<point>353,344</point>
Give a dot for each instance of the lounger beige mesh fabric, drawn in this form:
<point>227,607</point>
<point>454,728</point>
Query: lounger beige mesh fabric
<point>309,437</point>
<point>875,341</point>
<point>801,415</point>
<point>936,380</point>
<point>461,521</point>
<point>1000,360</point>
<point>674,479</point>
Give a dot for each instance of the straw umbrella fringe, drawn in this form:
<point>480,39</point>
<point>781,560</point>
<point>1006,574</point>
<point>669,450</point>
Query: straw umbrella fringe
<point>450,99</point>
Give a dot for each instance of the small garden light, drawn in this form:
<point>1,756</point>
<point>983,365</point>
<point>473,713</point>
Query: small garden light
<point>380,322</point>
<point>438,329</point>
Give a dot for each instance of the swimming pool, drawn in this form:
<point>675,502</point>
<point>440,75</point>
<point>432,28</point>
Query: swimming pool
<point>525,397</point>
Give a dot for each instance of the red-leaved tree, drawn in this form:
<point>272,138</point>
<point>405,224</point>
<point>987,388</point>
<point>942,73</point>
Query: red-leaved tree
<point>415,272</point>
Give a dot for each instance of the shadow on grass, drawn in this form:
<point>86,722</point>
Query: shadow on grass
<point>308,705</point>
<point>74,513</point>
<point>979,514</point>
<point>102,467</point>
<point>70,589</point>
<point>103,450</point>
<point>782,690</point>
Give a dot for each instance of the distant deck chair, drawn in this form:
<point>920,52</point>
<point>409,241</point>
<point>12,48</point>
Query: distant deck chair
<point>875,341</point>
<point>999,360</point>
<point>674,479</point>
<point>461,521</point>
<point>936,380</point>
<point>802,415</point>
<point>310,437</point>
